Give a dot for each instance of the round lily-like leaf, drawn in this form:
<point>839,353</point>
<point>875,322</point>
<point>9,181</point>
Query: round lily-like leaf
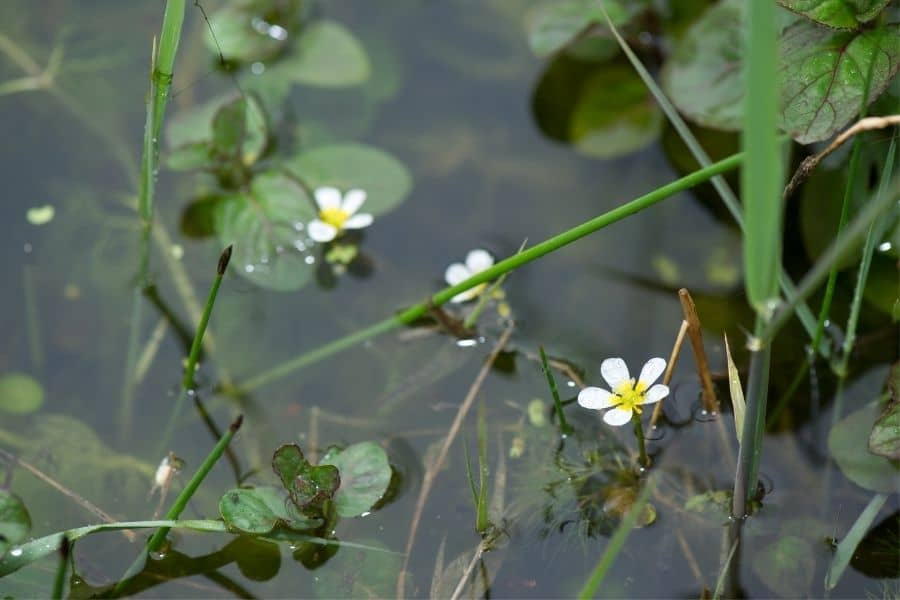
<point>703,75</point>
<point>20,394</point>
<point>848,444</point>
<point>837,14</point>
<point>365,475</point>
<point>824,75</point>
<point>385,180</point>
<point>267,227</point>
<point>15,523</point>
<point>260,510</point>
<point>327,54</point>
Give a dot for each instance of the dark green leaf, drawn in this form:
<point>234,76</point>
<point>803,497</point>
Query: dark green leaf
<point>267,227</point>
<point>228,127</point>
<point>20,394</point>
<point>260,510</point>
<point>15,524</point>
<point>257,559</point>
<point>703,76</point>
<point>190,128</point>
<point>824,76</point>
<point>838,14</point>
<point>326,55</point>
<point>847,443</point>
<point>289,463</point>
<point>198,219</point>
<point>194,156</point>
<point>882,291</point>
<point>885,437</point>
<point>385,180</point>
<point>878,554</point>
<point>365,475</point>
<point>786,566</point>
<point>309,486</point>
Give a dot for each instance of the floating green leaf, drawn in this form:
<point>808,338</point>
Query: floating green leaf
<point>327,54</point>
<point>262,509</point>
<point>215,127</point>
<point>824,75</point>
<point>266,227</point>
<point>308,486</point>
<point>703,75</point>
<point>365,475</point>
<point>786,566</point>
<point>885,437</point>
<point>847,444</point>
<point>385,180</point>
<point>20,394</point>
<point>228,126</point>
<point>554,25</point>
<point>15,524</point>
<point>838,14</point>
<point>253,30</point>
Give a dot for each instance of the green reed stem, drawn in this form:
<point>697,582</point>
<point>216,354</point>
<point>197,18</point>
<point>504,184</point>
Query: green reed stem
<point>642,444</point>
<point>187,381</point>
<point>804,314</point>
<point>564,428</point>
<point>59,583</point>
<point>616,542</point>
<point>513,262</point>
<point>836,251</point>
<point>847,547</point>
<point>156,540</point>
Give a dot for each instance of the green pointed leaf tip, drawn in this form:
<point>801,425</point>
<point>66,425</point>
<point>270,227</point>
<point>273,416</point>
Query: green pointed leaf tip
<point>885,437</point>
<point>327,54</point>
<point>837,14</point>
<point>365,476</point>
<point>385,180</point>
<point>20,394</point>
<point>262,509</point>
<point>15,523</point>
<point>824,76</point>
<point>267,228</point>
<point>823,72</point>
<point>847,444</point>
<point>289,463</point>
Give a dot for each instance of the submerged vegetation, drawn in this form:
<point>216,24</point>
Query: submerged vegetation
<point>296,169</point>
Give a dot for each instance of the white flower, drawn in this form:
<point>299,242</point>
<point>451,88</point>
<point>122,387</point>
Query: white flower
<point>626,396</point>
<point>476,261</point>
<point>337,213</point>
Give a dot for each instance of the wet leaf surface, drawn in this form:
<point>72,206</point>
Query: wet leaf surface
<point>847,443</point>
<point>15,523</point>
<point>838,14</point>
<point>365,476</point>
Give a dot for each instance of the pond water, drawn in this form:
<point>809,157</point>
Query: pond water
<point>456,95</point>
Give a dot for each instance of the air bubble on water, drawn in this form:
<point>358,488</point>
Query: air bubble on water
<point>299,245</point>
<point>259,25</point>
<point>309,260</point>
<point>884,247</point>
<point>249,268</point>
<point>157,555</point>
<point>366,514</point>
<point>15,552</point>
<point>277,32</point>
<point>257,68</point>
<point>570,383</point>
<point>299,225</point>
<point>467,343</point>
<point>264,260</point>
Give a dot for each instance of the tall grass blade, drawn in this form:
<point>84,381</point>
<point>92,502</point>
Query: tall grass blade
<point>761,175</point>
<point>847,546</point>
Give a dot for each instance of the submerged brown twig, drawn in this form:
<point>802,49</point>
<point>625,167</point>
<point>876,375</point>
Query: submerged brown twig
<point>434,468</point>
<point>670,368</point>
<point>811,162</point>
<point>710,402</point>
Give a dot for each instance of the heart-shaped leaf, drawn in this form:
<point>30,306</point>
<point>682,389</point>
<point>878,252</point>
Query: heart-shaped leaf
<point>837,14</point>
<point>262,509</point>
<point>365,476</point>
<point>385,180</point>
<point>327,54</point>
<point>267,228</point>
<point>15,524</point>
<point>847,442</point>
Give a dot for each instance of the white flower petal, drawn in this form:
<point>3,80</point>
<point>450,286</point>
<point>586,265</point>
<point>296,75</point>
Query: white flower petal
<point>328,197</point>
<point>321,231</point>
<point>479,260</point>
<point>615,372</point>
<point>655,394</point>
<point>653,368</point>
<point>358,221</point>
<point>594,397</point>
<point>456,273</point>
<point>353,199</point>
<point>617,416</point>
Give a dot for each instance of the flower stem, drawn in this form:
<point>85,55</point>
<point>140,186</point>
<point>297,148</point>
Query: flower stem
<point>639,434</point>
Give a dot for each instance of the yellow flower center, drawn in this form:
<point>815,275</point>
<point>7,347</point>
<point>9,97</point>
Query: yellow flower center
<point>334,216</point>
<point>629,395</point>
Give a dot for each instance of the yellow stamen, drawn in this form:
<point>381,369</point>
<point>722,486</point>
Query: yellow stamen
<point>334,216</point>
<point>630,395</point>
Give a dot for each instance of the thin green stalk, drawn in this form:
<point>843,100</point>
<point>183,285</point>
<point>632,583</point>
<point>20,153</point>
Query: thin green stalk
<point>837,250</point>
<point>187,381</point>
<point>804,314</point>
<point>481,512</point>
<point>642,445</point>
<point>156,540</point>
<point>564,428</point>
<point>526,256</point>
<point>616,542</point>
<point>761,175</point>
<point>59,583</point>
<point>750,449</point>
<point>847,546</point>
<point>845,211</point>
